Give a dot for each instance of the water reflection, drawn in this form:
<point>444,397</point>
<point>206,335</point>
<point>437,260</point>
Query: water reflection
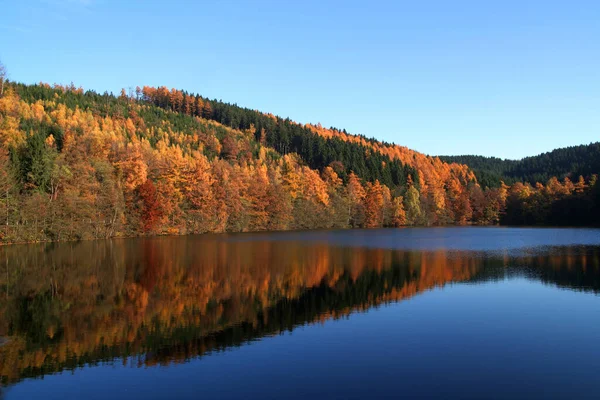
<point>166,300</point>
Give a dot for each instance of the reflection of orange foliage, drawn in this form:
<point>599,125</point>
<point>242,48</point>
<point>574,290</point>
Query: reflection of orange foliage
<point>137,296</point>
<point>208,283</point>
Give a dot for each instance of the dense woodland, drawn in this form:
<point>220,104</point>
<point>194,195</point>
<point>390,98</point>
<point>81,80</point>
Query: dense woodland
<point>77,164</point>
<point>568,162</point>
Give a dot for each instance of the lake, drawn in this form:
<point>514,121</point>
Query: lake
<point>418,312</point>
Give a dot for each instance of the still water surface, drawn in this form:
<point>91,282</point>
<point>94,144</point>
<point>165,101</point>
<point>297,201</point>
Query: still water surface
<point>444,312</point>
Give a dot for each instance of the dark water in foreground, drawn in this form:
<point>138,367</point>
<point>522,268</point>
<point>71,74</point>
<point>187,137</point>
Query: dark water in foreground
<point>448,312</point>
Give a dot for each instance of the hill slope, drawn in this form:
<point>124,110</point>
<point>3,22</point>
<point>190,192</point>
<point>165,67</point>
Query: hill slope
<point>569,162</point>
<point>77,165</point>
<point>80,164</point>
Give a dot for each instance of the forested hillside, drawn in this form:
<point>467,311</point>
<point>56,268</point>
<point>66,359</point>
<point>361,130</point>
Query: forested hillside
<point>77,164</point>
<point>568,162</point>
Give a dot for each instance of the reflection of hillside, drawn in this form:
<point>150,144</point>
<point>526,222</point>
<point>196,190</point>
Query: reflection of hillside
<point>175,298</point>
<point>575,268</point>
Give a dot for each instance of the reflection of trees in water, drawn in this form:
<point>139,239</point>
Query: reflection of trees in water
<point>175,298</point>
<point>575,268</point>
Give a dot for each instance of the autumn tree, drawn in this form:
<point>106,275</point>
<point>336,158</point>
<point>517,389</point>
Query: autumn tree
<point>494,207</point>
<point>258,197</point>
<point>229,148</point>
<point>200,202</point>
<point>460,204</point>
<point>7,189</point>
<point>580,186</point>
<point>412,206</point>
<point>279,206</point>
<point>109,203</point>
<point>207,110</point>
<point>398,213</point>
<point>356,195</point>
<point>291,180</point>
<point>2,78</point>
<point>478,203</point>
<point>338,215</point>
<point>228,188</point>
<point>374,205</point>
<point>311,204</point>
<point>151,207</point>
<point>199,107</point>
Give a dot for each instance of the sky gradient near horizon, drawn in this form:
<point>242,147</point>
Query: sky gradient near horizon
<point>509,79</point>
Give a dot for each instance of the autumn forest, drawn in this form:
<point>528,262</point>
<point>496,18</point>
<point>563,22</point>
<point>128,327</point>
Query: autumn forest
<point>78,164</point>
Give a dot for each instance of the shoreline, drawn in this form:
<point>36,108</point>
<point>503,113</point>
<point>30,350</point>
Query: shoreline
<point>158,235</point>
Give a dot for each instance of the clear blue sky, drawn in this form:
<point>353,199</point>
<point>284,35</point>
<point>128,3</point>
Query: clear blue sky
<point>508,79</point>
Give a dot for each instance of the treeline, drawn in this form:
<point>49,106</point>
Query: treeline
<point>556,203</point>
<point>76,164</point>
<point>568,162</point>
